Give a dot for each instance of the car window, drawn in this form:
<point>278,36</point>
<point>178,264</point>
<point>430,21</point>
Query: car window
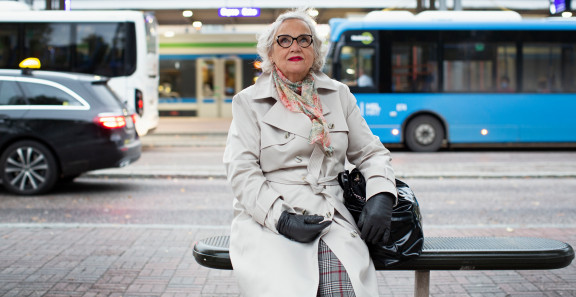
<point>41,94</point>
<point>10,94</point>
<point>106,95</point>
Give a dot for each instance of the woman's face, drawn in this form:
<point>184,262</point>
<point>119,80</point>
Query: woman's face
<point>295,62</point>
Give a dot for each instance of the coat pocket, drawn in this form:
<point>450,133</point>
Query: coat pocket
<point>336,123</point>
<point>277,137</point>
<point>278,150</point>
<point>338,135</point>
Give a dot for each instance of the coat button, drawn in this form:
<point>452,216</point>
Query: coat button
<point>298,159</point>
<point>354,234</point>
<point>328,215</point>
<point>331,126</point>
<point>287,135</point>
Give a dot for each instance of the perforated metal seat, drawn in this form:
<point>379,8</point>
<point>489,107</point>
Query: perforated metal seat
<point>443,253</point>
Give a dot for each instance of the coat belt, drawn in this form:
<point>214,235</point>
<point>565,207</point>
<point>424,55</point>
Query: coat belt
<point>317,184</point>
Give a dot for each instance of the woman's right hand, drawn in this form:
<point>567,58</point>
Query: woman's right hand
<point>376,218</point>
<point>301,228</point>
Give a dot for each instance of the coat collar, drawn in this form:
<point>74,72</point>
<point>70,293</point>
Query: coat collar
<point>265,88</point>
<point>279,116</point>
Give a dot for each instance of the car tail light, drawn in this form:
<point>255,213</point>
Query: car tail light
<point>139,102</point>
<point>111,122</point>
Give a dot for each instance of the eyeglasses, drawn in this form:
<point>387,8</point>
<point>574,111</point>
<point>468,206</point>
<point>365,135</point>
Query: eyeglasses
<point>285,41</point>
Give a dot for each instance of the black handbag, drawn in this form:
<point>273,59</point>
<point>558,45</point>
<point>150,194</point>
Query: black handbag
<point>406,236</point>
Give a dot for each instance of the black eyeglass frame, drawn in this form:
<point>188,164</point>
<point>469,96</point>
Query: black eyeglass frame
<point>295,38</point>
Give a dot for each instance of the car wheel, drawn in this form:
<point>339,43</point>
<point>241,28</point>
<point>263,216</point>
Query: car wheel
<point>28,168</point>
<point>424,134</point>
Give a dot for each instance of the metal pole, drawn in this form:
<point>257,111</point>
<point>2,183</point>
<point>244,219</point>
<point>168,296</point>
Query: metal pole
<point>422,283</point>
<point>48,4</point>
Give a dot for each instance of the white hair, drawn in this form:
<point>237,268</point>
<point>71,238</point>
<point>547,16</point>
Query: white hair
<point>267,38</point>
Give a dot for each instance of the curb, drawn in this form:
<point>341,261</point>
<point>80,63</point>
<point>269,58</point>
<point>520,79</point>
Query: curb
<point>212,175</point>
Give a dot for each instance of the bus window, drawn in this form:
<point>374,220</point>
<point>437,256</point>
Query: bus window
<point>365,67</point>
<point>348,65</point>
<point>103,48</point>
<point>479,67</point>
<point>94,48</point>
<point>414,67</point>
<point>548,68</point>
<point>51,43</point>
<point>357,66</point>
<point>8,41</point>
<point>468,67</point>
<point>506,68</point>
<point>328,68</point>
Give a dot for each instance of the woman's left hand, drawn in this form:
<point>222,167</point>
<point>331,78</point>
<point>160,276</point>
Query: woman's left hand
<point>301,228</point>
<point>376,218</point>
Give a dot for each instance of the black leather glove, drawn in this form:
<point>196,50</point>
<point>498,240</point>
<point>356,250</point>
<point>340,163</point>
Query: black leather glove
<point>376,218</point>
<point>301,228</point>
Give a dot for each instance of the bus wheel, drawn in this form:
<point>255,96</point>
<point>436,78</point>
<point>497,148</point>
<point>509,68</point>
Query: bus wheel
<point>424,134</point>
<point>28,168</point>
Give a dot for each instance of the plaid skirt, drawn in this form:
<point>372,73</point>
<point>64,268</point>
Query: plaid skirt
<point>334,280</point>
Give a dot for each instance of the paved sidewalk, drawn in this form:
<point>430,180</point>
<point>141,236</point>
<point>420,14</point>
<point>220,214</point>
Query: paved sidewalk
<point>57,260</point>
<point>192,125</point>
<point>131,261</point>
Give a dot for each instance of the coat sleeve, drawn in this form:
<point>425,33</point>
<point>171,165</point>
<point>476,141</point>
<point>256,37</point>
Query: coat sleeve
<point>366,151</point>
<point>242,164</point>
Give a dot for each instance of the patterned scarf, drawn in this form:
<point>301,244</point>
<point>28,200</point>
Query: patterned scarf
<point>303,97</point>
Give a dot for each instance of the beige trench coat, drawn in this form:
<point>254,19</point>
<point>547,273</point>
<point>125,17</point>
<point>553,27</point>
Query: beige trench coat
<point>269,162</point>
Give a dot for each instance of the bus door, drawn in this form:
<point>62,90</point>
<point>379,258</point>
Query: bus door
<point>218,80</point>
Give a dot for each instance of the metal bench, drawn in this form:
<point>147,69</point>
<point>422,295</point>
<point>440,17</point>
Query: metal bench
<point>441,253</point>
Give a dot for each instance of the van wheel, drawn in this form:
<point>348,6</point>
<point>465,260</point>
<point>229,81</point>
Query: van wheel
<point>28,168</point>
<point>424,134</point>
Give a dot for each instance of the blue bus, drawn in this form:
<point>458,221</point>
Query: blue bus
<point>432,84</point>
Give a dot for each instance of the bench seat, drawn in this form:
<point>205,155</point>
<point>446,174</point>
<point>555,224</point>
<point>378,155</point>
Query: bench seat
<point>441,253</point>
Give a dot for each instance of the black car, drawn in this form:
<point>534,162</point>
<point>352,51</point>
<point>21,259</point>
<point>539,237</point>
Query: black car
<point>55,126</point>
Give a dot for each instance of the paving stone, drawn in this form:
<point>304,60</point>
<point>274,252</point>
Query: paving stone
<point>122,261</point>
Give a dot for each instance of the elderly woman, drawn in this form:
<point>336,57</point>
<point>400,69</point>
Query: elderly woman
<point>291,134</point>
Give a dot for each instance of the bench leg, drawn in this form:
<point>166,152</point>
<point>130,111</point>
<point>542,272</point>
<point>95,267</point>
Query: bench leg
<point>422,283</point>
